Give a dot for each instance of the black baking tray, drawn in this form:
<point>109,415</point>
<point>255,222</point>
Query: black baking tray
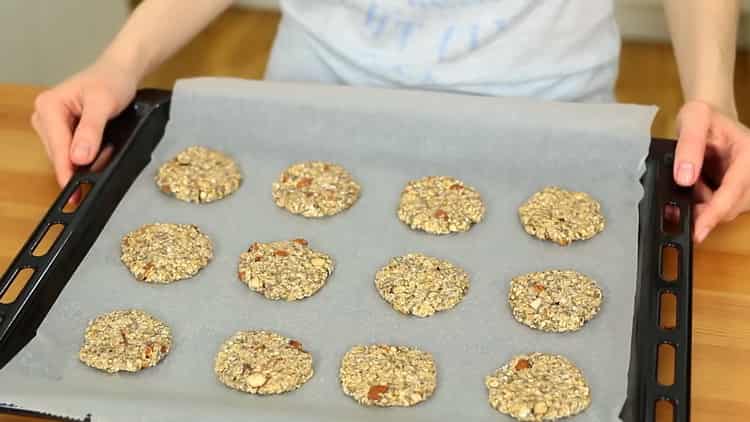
<point>128,142</point>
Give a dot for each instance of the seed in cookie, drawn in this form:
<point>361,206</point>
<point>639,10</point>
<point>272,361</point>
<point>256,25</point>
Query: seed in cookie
<point>386,375</point>
<point>128,340</point>
<point>284,270</point>
<point>556,300</point>
<point>164,253</point>
<point>538,387</point>
<point>262,362</point>
<point>421,285</point>
<point>561,216</point>
<point>315,189</point>
<point>440,205</point>
<point>199,174</point>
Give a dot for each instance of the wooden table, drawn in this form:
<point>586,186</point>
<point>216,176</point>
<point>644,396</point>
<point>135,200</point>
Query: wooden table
<point>721,317</point>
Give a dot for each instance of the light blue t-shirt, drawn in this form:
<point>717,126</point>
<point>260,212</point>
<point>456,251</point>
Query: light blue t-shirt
<point>553,49</point>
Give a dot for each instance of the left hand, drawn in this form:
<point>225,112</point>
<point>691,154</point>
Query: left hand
<point>713,155</point>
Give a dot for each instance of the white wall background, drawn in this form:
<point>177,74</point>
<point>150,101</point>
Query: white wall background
<point>43,41</point>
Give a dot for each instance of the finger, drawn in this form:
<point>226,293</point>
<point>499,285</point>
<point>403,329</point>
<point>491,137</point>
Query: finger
<point>702,193</point>
<point>75,198</point>
<point>724,203</point>
<point>672,214</point>
<point>695,123</point>
<point>38,128</point>
<point>61,161</point>
<point>55,123</point>
<point>698,210</point>
<point>88,133</point>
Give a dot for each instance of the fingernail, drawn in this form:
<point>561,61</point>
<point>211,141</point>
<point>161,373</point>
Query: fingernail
<point>81,152</point>
<point>685,174</point>
<point>701,234</point>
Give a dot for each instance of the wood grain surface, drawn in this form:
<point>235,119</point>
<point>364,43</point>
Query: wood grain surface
<point>238,43</point>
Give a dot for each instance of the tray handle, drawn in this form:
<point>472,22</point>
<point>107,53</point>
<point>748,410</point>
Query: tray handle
<point>127,144</point>
<point>645,392</point>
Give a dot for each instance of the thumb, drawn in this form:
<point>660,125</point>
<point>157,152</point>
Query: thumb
<point>694,126</point>
<point>95,111</point>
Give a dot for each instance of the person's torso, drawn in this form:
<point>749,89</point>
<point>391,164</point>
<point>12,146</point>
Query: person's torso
<point>546,48</point>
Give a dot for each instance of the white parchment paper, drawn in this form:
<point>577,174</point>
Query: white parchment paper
<point>506,148</point>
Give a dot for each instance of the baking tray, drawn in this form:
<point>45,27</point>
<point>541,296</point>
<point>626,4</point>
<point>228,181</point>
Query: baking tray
<point>130,140</point>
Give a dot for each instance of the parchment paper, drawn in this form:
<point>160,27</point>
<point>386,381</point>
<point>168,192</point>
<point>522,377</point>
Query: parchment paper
<point>506,148</point>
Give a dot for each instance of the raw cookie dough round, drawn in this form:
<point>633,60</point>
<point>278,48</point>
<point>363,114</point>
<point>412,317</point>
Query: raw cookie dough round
<point>385,375</point>
<point>538,387</point>
<point>561,216</point>
<point>199,174</point>
<point>421,285</point>
<point>556,300</point>
<point>287,269</point>
<point>440,205</point>
<point>128,340</point>
<point>164,253</point>
<point>315,189</point>
<point>262,362</point>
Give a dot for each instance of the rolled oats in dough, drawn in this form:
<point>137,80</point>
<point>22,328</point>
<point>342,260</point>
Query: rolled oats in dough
<point>385,375</point>
<point>164,252</point>
<point>262,362</point>
<point>315,189</point>
<point>288,270</point>
<point>440,205</point>
<point>199,174</point>
<point>538,387</point>
<point>421,285</point>
<point>561,216</point>
<point>128,340</point>
<point>556,300</point>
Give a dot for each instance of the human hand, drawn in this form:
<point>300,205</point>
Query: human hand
<point>713,155</point>
<point>71,116</point>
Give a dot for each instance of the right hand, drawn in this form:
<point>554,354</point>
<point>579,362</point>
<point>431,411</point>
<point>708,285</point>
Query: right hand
<point>70,117</point>
<point>713,155</point>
